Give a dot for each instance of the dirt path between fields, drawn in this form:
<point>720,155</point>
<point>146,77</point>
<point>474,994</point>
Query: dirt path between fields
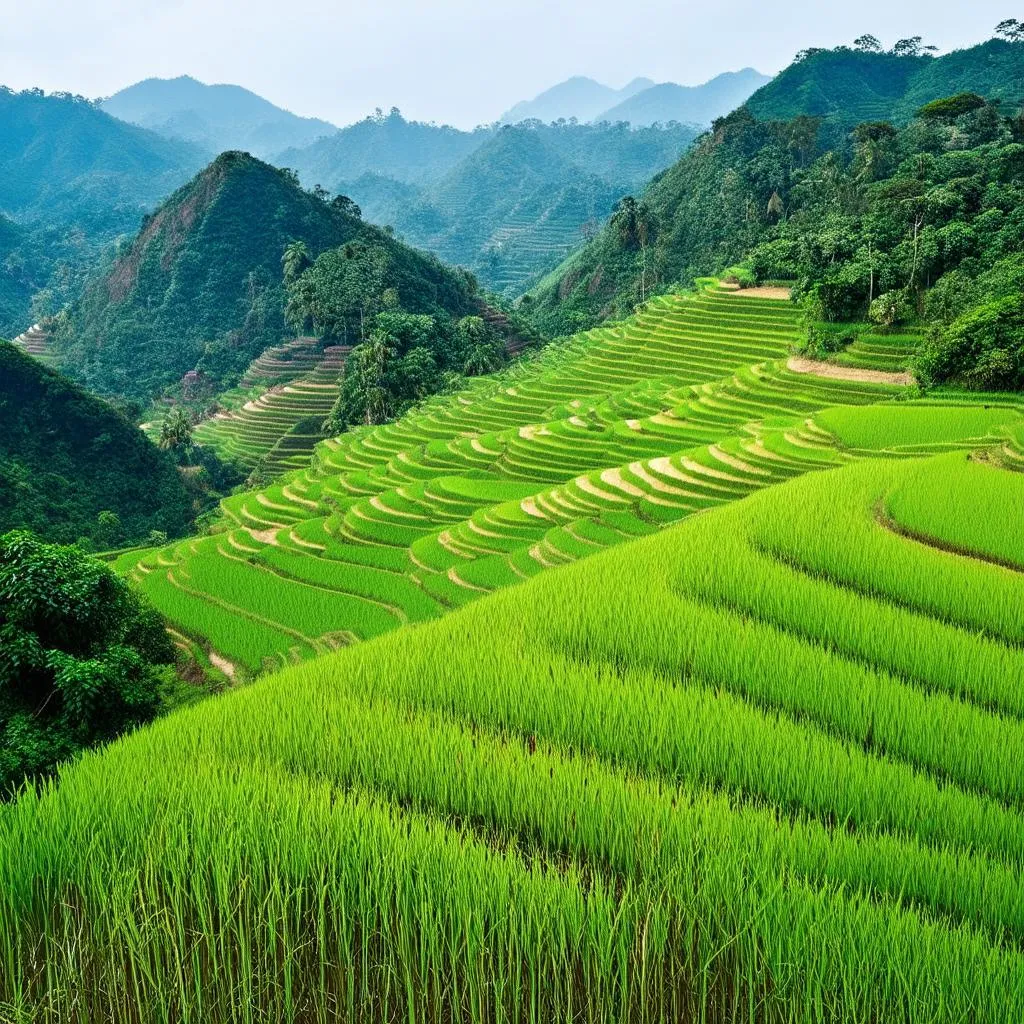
<point>850,373</point>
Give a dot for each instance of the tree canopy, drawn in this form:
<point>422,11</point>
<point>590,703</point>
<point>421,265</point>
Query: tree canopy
<point>77,654</point>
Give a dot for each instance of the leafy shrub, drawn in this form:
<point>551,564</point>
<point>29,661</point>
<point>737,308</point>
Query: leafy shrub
<point>983,349</point>
<point>824,340</point>
<point>77,655</point>
<point>740,275</point>
<point>890,309</point>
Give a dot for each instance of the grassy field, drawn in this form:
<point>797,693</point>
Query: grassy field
<point>737,736</point>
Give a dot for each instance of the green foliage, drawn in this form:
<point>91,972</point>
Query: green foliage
<point>890,309</point>
<point>201,288</point>
<point>739,275</point>
<point>77,650</point>
<point>983,349</point>
<point>848,86</point>
<point>952,107</point>
<point>407,357</point>
<point>67,457</point>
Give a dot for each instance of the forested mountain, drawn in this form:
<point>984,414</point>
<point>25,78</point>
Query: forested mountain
<point>73,467</point>
<point>522,198</point>
<point>201,287</point>
<point>847,86</point>
<point>578,97</point>
<point>688,104</point>
<point>72,178</point>
<point>385,144</point>
<point>810,180</point>
<point>64,160</point>
<point>215,117</point>
<point>15,280</point>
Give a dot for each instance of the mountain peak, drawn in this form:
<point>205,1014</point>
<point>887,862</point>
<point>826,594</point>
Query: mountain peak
<point>217,117</point>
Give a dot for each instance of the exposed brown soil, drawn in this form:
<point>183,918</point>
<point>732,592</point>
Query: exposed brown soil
<point>765,292</point>
<point>850,373</point>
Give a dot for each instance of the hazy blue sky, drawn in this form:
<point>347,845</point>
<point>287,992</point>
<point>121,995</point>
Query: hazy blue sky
<point>460,61</point>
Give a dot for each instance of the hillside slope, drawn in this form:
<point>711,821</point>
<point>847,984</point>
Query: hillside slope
<point>707,775</point>
<point>847,87</point>
<point>15,283</point>
<point>524,198</point>
<point>847,214</point>
<point>408,151</point>
<point>610,435</point>
<point>215,117</point>
<point>688,104</point>
<point>64,160</point>
<point>200,288</point>
<point>66,456</point>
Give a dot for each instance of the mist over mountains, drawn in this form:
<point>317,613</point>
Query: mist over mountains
<point>216,117</point>
<point>642,102</point>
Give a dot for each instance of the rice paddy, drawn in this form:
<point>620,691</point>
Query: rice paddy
<point>737,735</point>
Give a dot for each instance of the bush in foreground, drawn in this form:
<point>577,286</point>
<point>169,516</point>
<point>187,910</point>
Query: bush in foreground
<point>78,650</point>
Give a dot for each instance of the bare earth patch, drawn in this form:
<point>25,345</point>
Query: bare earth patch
<point>763,292</point>
<point>222,664</point>
<point>851,373</point>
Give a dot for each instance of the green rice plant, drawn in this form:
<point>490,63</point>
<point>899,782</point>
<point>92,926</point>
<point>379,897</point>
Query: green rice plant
<point>635,788</point>
<point>914,426</point>
<point>964,508</point>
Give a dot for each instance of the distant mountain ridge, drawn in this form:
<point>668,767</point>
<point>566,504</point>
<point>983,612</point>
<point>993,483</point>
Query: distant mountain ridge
<point>64,160</point>
<point>408,151</point>
<point>216,117</point>
<point>522,198</point>
<point>641,103</point>
<point>688,104</point>
<point>578,97</point>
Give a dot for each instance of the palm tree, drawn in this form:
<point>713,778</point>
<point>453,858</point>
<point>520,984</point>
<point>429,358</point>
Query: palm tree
<point>295,261</point>
<point>176,431</point>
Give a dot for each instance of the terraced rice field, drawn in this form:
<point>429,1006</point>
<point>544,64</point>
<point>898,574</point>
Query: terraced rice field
<point>763,766</point>
<point>889,352</point>
<point>35,342</point>
<point>275,416</point>
<point>609,437</point>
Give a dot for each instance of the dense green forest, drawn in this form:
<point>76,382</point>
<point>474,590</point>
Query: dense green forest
<point>72,178</point>
<point>81,650</point>
<point>64,160</point>
<point>919,217</point>
<point>524,197</point>
<point>849,85</point>
<point>16,284</point>
<point>72,467</point>
<point>201,287</point>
